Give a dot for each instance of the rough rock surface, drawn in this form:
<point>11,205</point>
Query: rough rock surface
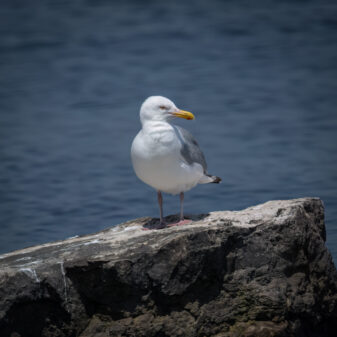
<point>263,271</point>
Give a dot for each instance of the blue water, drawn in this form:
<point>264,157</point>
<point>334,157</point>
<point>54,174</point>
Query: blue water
<point>261,78</point>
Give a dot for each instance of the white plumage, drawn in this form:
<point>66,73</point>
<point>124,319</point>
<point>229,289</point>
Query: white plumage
<point>166,156</point>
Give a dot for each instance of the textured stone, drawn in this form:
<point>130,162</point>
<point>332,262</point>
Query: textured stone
<point>263,271</point>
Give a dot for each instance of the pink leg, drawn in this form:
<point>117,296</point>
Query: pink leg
<point>181,206</point>
<point>160,202</point>
<point>162,223</point>
<point>182,221</point>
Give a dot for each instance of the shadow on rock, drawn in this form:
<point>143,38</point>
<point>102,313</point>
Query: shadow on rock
<point>154,223</point>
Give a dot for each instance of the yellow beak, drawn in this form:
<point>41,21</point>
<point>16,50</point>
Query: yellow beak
<point>183,114</point>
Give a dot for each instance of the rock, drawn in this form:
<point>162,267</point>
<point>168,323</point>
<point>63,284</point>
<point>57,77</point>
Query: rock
<point>263,271</point>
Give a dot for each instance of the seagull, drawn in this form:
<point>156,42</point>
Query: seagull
<point>166,156</point>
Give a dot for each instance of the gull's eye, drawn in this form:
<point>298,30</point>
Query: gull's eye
<point>162,107</point>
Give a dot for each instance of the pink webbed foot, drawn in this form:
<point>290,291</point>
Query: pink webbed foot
<point>179,223</point>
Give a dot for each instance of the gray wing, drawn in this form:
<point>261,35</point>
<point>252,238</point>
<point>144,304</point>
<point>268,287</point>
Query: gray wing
<point>190,149</point>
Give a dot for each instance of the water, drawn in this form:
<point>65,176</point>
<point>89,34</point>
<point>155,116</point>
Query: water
<point>260,77</point>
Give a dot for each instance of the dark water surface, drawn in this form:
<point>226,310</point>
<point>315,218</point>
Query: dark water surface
<point>260,76</point>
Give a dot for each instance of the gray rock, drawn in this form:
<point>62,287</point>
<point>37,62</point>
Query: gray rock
<point>263,271</point>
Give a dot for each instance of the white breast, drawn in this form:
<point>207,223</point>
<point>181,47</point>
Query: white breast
<point>157,161</point>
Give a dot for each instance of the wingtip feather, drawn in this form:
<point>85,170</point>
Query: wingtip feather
<point>216,180</point>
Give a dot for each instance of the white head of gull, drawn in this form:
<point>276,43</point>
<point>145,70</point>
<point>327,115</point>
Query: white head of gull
<point>166,156</point>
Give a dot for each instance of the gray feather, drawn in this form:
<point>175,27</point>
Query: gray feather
<point>190,149</point>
